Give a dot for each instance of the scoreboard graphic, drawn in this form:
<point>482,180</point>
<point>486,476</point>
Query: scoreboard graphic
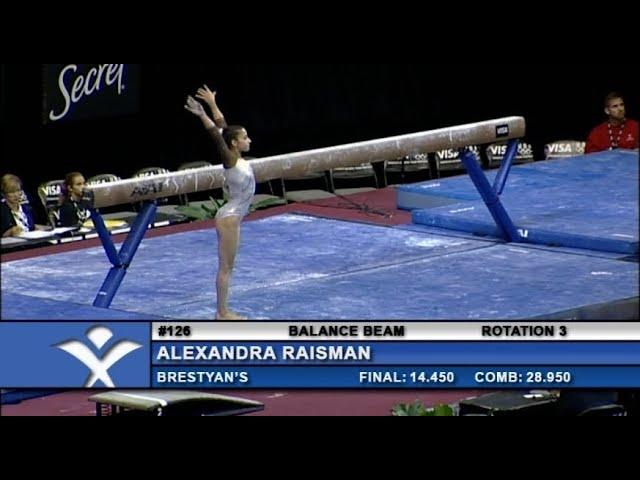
<point>221,355</point>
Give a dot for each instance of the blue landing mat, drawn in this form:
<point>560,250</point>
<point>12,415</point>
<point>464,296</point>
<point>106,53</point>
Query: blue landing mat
<point>500,282</point>
<point>470,236</point>
<point>21,307</point>
<point>585,202</point>
<point>303,268</point>
<point>177,270</point>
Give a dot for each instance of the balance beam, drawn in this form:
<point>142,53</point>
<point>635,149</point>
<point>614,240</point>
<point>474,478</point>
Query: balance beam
<point>293,165</point>
<point>300,164</point>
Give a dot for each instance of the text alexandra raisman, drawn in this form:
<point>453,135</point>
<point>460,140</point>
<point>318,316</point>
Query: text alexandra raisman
<point>249,353</point>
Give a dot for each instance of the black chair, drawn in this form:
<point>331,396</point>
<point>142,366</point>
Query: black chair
<point>411,168</point>
<point>351,180</point>
<point>298,189</point>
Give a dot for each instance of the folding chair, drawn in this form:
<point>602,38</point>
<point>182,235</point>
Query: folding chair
<point>292,192</point>
<point>411,168</point>
<point>350,180</point>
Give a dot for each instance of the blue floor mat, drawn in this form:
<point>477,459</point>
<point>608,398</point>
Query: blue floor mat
<point>304,268</point>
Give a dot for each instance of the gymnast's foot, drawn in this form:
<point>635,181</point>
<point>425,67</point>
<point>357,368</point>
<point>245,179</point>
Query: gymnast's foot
<point>231,316</point>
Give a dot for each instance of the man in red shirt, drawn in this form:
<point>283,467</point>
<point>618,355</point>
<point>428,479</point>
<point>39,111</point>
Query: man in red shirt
<point>618,132</point>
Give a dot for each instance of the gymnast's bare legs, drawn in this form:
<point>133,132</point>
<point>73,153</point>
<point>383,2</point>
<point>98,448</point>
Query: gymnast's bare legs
<point>228,243</point>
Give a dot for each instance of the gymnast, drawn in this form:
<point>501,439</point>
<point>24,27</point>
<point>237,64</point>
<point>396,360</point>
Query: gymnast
<point>240,186</point>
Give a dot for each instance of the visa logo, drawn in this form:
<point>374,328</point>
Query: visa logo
<point>524,150</point>
<point>449,154</point>
<point>52,190</point>
<point>566,148</point>
<point>453,154</point>
<point>502,131</point>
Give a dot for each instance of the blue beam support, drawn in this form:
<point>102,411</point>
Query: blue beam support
<point>122,260</point>
<point>490,197</point>
<point>505,168</point>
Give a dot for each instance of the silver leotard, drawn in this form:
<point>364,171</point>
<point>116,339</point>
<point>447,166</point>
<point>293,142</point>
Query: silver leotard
<point>239,188</point>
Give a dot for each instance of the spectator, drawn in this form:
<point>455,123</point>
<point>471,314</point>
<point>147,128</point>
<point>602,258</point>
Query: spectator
<point>17,216</point>
<point>617,132</point>
<point>73,212</point>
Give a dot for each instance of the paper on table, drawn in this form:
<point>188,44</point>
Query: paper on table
<point>60,231</point>
<point>110,224</point>
<point>11,241</point>
<point>35,235</point>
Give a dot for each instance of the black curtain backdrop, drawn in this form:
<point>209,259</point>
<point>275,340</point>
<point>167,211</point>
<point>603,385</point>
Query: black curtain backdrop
<point>292,107</point>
